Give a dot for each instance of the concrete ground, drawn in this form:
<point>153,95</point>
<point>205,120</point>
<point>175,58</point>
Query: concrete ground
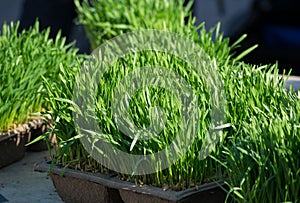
<point>21,184</point>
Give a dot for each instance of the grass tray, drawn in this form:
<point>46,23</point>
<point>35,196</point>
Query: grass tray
<point>78,186</point>
<point>12,143</point>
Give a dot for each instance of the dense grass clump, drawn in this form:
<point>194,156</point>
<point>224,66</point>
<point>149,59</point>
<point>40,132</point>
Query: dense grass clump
<point>25,59</point>
<point>261,149</point>
<point>258,153</point>
<point>104,20</point>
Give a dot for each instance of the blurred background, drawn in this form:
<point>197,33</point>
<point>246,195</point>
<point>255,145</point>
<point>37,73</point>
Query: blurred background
<point>58,14</point>
<point>273,24</point>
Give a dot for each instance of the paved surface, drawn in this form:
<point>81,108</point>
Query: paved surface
<point>20,183</point>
